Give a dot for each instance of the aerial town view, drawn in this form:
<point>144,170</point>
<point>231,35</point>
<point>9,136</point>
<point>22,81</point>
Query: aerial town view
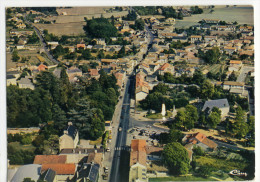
<point>130,94</point>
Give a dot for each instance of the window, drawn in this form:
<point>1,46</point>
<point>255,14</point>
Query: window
<point>143,169</point>
<point>143,174</point>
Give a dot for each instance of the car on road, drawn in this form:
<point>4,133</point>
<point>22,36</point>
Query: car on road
<point>132,130</point>
<point>119,129</point>
<point>106,169</point>
<point>105,176</point>
<point>108,149</point>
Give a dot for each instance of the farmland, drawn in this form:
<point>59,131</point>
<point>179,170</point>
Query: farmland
<point>72,23</point>
<point>241,14</point>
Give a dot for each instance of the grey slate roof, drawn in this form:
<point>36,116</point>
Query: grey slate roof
<point>219,103</point>
<point>10,77</point>
<point>89,171</point>
<point>49,175</point>
<point>25,81</point>
<point>27,171</point>
<point>72,131</point>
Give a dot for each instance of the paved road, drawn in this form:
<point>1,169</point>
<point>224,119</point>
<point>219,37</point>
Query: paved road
<point>43,43</point>
<point>121,135</point>
<point>243,73</point>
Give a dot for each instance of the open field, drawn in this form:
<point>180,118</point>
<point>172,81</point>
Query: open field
<point>241,14</point>
<point>64,28</point>
<point>73,22</point>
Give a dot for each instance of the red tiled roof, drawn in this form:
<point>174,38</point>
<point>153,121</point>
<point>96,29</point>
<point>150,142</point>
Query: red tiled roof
<point>81,45</point>
<point>138,145</point>
<point>60,169</point>
<point>151,149</point>
<point>93,72</point>
<point>50,159</point>
<point>138,156</point>
<point>200,137</point>
<point>164,66</point>
<point>42,67</point>
<point>235,62</point>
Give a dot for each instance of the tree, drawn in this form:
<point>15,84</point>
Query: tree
<point>175,136</point>
<point>197,151</point>
<point>212,56</point>
<point>28,180</point>
<point>100,28</point>
<point>139,24</point>
<point>205,171</point>
<point>214,119</point>
<point>191,117</point>
<point>51,146</point>
<point>89,121</point>
<point>232,77</point>
<point>175,156</point>
<point>15,56</point>
<point>206,90</point>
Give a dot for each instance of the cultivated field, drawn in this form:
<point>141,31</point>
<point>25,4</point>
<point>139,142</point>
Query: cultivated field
<point>241,14</point>
<point>63,28</point>
<point>72,23</point>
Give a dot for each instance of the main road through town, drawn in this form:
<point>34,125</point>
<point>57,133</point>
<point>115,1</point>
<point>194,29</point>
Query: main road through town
<point>122,135</point>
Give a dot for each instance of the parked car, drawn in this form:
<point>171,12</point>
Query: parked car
<point>106,169</point>
<point>108,149</point>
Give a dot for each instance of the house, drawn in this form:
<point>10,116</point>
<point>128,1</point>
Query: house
<point>232,84</point>
<point>74,72</point>
<point>230,50</point>
<point>93,73</point>
<point>42,67</point>
<point>221,104</point>
<point>141,93</point>
<point>49,176</point>
<point>82,46</point>
<point>138,161</point>
<point>210,21</point>
<point>195,38</point>
<point>27,171</point>
<point>201,140</point>
<point>70,138</point>
<point>101,42</point>
<point>88,172</point>
<point>10,80</point>
<point>76,155</point>
<point>50,159</point>
<point>234,65</point>
<point>53,44</point>
<point>26,83</point>
<point>64,172</point>
<point>210,38</point>
<point>120,77</point>
<point>20,46</point>
<point>141,87</point>
<point>166,68</point>
<point>21,26</point>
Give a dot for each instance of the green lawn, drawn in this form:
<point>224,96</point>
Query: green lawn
<point>181,178</point>
<point>19,146</point>
<point>159,115</point>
